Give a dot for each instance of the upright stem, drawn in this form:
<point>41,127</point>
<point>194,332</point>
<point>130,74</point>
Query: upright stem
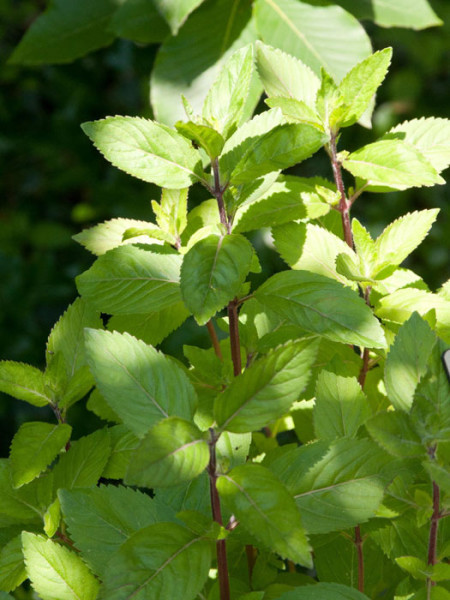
<point>366,354</point>
<point>234,337</point>
<point>218,193</point>
<point>344,204</point>
<point>214,339</point>
<point>359,550</point>
<point>221,549</point>
<point>432,541</point>
<point>61,420</point>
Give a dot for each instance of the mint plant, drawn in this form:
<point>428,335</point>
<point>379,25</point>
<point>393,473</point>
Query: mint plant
<point>188,490</point>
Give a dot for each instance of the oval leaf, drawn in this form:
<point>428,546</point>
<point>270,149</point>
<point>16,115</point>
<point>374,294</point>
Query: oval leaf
<point>163,561</point>
<point>393,164</point>
<point>147,150</point>
<point>139,383</point>
<point>271,517</point>
<point>322,306</point>
<point>213,272</point>
<point>34,447</point>
<point>56,573</point>
<point>172,452</point>
<point>129,280</point>
<point>321,36</point>
<point>267,389</point>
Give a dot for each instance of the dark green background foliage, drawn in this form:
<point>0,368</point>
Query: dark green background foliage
<point>54,183</point>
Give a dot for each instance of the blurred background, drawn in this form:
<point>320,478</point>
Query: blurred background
<point>53,183</point>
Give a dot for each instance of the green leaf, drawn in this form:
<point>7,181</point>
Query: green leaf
<point>34,447</point>
<point>139,383</point>
<point>204,136</point>
<point>147,150</point>
<point>360,84</point>
<point>213,272</point>
<point>430,411</point>
<point>173,451</point>
<point>108,235</point>
<point>320,36</point>
<point>171,212</point>
<point>271,518</point>
<point>24,382</point>
<point>415,567</point>
<point>98,405</point>
<point>65,31</point>
<point>394,432</point>
<point>315,249</point>
<point>296,111</point>
<point>153,327</point>
<point>132,280</point>
<point>67,335</point>
<point>399,306</point>
<point>266,389</point>
<point>176,12</point>
<point>67,374</point>
<point>163,561</point>
<point>139,21</point>
<point>102,518</point>
<point>324,591</point>
<point>243,140</point>
<point>123,444</point>
<point>336,560</point>
<point>364,247</point>
<point>280,204</point>
<point>283,146</point>
<point>322,306</point>
<point>403,13</point>
<point>183,68</point>
<point>285,76</point>
<point>341,406</point>
<point>337,485</point>
<point>16,507</point>
<point>52,518</point>
<point>430,136</point>
<point>401,237</point>
<point>407,361</point>
<point>12,568</point>
<point>393,164</point>
<point>225,103</point>
<point>82,465</point>
<point>56,573</point>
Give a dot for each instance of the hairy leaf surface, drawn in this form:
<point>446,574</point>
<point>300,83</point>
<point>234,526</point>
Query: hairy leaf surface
<point>139,383</point>
<point>147,150</point>
<point>267,389</point>
<point>34,447</point>
<point>102,518</point>
<point>56,573</point>
<point>130,280</point>
<point>163,561</point>
<point>213,272</point>
<point>271,517</point>
<point>173,451</point>
<point>321,36</point>
<point>393,164</point>
<point>322,306</point>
